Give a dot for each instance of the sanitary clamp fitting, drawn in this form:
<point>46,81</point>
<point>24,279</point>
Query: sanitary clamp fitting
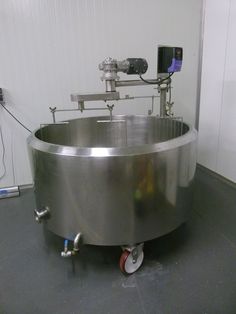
<point>41,214</point>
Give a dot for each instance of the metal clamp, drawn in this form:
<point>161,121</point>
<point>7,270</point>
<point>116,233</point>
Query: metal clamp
<point>42,214</point>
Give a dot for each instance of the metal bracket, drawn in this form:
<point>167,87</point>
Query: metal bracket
<point>53,111</point>
<point>95,97</point>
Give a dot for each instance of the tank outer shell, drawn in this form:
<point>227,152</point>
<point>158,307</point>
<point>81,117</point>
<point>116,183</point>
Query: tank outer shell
<point>118,195</point>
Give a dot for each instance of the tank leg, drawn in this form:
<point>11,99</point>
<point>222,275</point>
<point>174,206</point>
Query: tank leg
<point>66,252</point>
<point>131,259</point>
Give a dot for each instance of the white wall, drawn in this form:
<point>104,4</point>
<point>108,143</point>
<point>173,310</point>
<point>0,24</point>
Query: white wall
<point>50,49</point>
<point>217,136</point>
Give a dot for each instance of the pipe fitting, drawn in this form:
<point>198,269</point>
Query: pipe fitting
<point>68,253</point>
<point>41,214</point>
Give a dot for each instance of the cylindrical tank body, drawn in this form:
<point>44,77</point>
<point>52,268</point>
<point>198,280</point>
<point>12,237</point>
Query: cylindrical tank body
<point>116,183</point>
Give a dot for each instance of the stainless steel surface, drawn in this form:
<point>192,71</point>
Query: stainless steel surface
<point>54,110</point>
<point>11,191</point>
<point>163,92</point>
<point>110,86</point>
<point>94,97</point>
<point>68,253</point>
<point>41,214</point>
<point>110,67</point>
<point>125,83</point>
<point>110,108</point>
<point>77,241</point>
<point>114,195</point>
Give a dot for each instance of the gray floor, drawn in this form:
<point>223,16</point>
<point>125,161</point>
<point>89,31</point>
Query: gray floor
<point>192,270</point>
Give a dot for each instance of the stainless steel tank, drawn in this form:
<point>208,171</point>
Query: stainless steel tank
<point>115,183</point>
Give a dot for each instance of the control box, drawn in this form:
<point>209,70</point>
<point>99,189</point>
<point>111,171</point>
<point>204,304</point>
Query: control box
<point>169,59</point>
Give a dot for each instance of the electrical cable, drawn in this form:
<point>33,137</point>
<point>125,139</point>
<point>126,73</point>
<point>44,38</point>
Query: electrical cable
<point>3,154</point>
<point>11,114</point>
<point>157,82</point>
<point>12,161</point>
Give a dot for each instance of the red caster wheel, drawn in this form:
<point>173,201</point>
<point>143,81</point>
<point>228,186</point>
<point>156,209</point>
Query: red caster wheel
<point>129,264</point>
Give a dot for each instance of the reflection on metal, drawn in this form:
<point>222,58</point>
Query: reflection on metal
<point>11,191</point>
<point>117,187</point>
<point>94,97</point>
<point>41,214</point>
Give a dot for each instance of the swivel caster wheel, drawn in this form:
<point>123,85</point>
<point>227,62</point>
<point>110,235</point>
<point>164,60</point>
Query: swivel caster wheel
<point>131,259</point>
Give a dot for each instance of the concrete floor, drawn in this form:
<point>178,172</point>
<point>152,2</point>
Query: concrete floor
<point>192,270</point>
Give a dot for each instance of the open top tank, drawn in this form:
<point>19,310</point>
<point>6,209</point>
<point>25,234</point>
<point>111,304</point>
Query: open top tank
<point>116,183</point>
<point>116,180</point>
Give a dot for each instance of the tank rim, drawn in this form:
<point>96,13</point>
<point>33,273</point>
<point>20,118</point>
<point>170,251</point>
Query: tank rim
<point>37,144</point>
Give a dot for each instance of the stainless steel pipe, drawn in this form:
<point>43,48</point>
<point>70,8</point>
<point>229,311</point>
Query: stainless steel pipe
<point>11,191</point>
<point>115,183</point>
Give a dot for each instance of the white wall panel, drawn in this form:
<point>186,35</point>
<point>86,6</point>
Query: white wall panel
<point>226,161</point>
<point>50,49</point>
<point>213,67</point>
<point>217,136</point>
